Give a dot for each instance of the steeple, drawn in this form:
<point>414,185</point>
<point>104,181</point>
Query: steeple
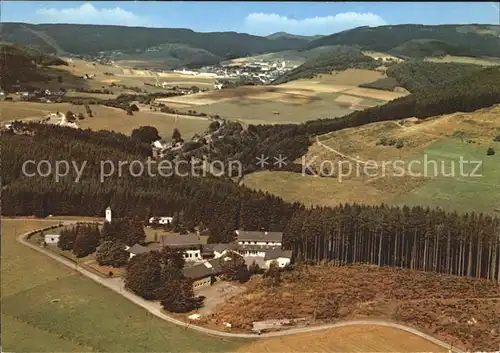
<point>108,214</point>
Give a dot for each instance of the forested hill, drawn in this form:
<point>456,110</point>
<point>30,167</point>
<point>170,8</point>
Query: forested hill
<point>336,58</point>
<point>412,40</point>
<point>280,35</point>
<point>19,64</point>
<point>91,39</point>
<point>389,236</point>
<point>417,76</point>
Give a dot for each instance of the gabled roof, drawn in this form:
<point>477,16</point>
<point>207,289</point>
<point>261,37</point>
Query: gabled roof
<point>138,249</point>
<point>180,240</point>
<point>273,254</point>
<point>244,235</point>
<point>203,270</point>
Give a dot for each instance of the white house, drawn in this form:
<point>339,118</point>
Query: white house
<point>108,214</point>
<point>160,144</point>
<point>161,220</point>
<point>189,243</point>
<point>51,238</point>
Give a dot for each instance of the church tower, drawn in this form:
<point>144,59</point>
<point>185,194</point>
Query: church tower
<point>108,214</point>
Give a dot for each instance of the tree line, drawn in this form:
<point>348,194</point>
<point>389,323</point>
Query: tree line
<point>430,240</point>
<point>416,238</point>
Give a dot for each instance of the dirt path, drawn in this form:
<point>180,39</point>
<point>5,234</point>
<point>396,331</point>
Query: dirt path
<point>116,285</point>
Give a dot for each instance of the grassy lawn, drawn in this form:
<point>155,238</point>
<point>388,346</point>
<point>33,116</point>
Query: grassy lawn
<point>87,316</point>
<point>458,192</point>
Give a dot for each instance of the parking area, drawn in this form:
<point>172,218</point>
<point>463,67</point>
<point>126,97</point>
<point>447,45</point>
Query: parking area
<point>217,294</point>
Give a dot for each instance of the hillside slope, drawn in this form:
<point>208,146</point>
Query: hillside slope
<point>19,64</point>
<point>417,76</point>
<point>96,38</point>
<point>335,58</point>
<point>411,40</point>
<point>281,35</point>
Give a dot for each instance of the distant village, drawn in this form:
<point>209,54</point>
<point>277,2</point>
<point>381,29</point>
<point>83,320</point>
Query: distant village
<point>256,72</point>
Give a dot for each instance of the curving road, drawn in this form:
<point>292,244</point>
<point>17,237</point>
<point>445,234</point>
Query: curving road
<point>116,285</point>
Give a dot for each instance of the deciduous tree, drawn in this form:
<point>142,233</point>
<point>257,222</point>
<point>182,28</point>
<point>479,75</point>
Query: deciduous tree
<point>112,254</point>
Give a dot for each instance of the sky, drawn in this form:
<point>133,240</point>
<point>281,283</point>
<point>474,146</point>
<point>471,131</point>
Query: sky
<point>259,18</point>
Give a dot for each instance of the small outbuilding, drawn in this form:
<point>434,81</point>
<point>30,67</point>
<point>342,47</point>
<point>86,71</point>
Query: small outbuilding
<point>51,238</point>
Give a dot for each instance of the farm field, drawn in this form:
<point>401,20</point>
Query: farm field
<point>442,139</point>
<point>108,118</point>
<point>435,304</point>
<point>260,111</point>
<point>457,192</point>
<point>312,190</point>
<point>362,338</point>
<point>86,318</point>
<point>120,76</point>
<point>293,102</point>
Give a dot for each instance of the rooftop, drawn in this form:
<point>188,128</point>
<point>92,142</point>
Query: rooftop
<point>273,254</point>
<point>203,270</point>
<point>138,249</point>
<point>244,235</point>
<point>180,240</point>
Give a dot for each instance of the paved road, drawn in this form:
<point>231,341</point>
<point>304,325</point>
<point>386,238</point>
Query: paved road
<point>116,284</point>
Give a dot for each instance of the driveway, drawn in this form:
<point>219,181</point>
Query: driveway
<point>217,295</point>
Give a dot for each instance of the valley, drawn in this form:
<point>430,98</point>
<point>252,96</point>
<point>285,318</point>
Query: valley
<point>362,213</point>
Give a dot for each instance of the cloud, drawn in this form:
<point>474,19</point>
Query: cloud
<point>265,23</point>
<point>89,14</point>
